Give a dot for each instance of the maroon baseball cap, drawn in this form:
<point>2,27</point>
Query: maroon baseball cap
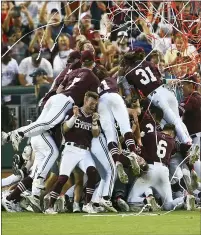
<point>87,56</point>
<point>75,55</point>
<point>190,78</point>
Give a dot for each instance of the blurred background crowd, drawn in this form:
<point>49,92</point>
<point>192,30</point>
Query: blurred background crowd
<point>38,36</point>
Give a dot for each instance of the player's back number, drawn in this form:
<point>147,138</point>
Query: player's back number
<point>146,74</point>
<point>161,148</point>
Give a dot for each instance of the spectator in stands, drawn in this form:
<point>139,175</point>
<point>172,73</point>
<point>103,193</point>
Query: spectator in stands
<point>55,24</point>
<point>60,59</point>
<point>5,6</point>
<point>41,42</point>
<point>29,65</point>
<point>9,70</point>
<point>19,48</point>
<point>180,48</point>
<point>14,15</point>
<point>32,8</point>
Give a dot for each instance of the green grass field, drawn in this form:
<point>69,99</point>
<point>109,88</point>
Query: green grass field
<point>180,222</point>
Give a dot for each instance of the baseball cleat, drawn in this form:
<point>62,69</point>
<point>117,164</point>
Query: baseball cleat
<point>60,204</point>
<point>15,139</point>
<point>134,164</point>
<point>34,203</point>
<point>194,153</point>
<point>123,177</point>
<point>88,208</point>
<point>76,207</point>
<point>46,202</point>
<point>50,211</point>
<point>194,180</point>
<point>190,202</point>
<point>107,204</point>
<point>152,202</point>
<point>8,205</point>
<point>122,205</point>
<point>16,164</point>
<point>27,153</point>
<point>188,183</point>
<point>4,138</point>
<point>100,209</point>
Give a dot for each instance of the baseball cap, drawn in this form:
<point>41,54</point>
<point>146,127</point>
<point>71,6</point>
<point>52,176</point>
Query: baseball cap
<point>54,10</point>
<point>75,55</point>
<point>87,56</point>
<point>190,78</point>
<point>84,14</point>
<point>38,72</point>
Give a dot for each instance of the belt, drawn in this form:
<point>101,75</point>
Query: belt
<point>77,145</point>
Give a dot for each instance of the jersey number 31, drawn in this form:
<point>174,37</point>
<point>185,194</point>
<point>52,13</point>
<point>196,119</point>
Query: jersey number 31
<point>146,74</point>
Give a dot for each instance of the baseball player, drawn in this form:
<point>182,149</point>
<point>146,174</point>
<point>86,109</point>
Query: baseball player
<point>157,150</point>
<point>145,77</point>
<point>79,129</point>
<point>191,113</point>
<point>57,105</point>
<point>112,107</point>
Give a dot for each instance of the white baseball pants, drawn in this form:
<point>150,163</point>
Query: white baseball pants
<point>73,156</point>
<point>46,153</point>
<point>111,107</point>
<point>105,166</point>
<point>10,180</point>
<point>166,100</point>
<point>53,113</point>
<point>157,177</point>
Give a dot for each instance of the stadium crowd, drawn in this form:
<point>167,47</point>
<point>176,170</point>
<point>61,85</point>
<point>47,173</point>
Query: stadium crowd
<point>101,56</point>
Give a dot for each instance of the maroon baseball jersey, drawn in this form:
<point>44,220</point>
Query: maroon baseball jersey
<point>190,109</point>
<point>108,85</point>
<point>154,149</point>
<point>82,81</point>
<point>57,81</point>
<point>80,133</point>
<point>144,77</point>
<point>147,123</point>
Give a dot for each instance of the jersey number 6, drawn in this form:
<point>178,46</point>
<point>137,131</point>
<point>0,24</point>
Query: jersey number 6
<point>147,75</point>
<point>161,148</point>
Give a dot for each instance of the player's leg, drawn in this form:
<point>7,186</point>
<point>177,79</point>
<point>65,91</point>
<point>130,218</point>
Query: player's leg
<point>197,165</point>
<point>10,180</point>
<point>70,158</point>
<point>108,125</point>
<point>87,165</point>
<point>107,171</point>
<point>54,112</point>
<point>163,187</point>
<point>48,148</point>
<point>120,113</point>
<point>105,164</point>
<point>164,99</point>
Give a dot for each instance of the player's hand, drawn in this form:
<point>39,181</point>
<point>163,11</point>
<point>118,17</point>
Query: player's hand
<point>95,117</point>
<point>75,111</point>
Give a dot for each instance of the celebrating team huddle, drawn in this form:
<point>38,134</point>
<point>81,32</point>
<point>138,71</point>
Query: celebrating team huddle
<point>103,132</point>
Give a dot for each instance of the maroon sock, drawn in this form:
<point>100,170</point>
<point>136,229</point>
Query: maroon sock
<point>56,190</point>
<point>114,150</point>
<point>21,187</point>
<point>128,137</point>
<point>91,183</point>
